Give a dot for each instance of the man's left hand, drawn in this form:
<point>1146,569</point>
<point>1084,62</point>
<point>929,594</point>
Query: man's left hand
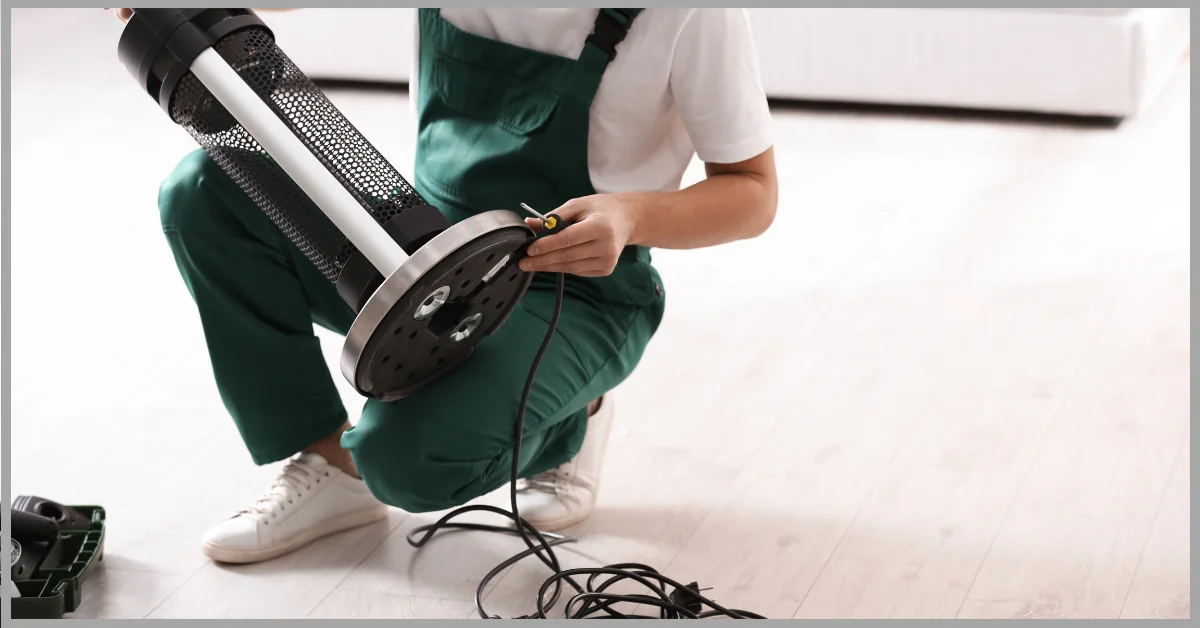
<point>600,227</point>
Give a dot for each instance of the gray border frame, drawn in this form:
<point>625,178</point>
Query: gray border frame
<point>6,313</point>
<point>6,270</point>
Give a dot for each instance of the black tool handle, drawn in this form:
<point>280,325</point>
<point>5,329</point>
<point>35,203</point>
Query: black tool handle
<point>553,224</point>
<point>66,517</point>
<point>28,527</point>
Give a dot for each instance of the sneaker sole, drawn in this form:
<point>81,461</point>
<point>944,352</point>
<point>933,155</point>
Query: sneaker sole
<point>558,525</point>
<point>348,521</point>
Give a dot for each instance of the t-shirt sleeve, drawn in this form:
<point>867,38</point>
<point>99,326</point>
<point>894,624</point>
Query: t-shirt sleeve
<point>717,86</point>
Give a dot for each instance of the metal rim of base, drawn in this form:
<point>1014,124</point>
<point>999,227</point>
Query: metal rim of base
<point>393,289</point>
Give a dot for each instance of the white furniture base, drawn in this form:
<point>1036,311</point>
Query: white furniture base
<point>1101,62</point>
<point>1088,62</point>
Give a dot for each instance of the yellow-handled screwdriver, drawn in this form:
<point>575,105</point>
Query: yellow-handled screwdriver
<point>550,224</point>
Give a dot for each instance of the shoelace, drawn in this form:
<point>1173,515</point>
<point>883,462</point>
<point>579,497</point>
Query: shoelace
<point>293,479</point>
<point>550,481</point>
<point>540,483</point>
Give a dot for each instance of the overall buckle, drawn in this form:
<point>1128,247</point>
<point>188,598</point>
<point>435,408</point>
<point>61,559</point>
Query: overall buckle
<point>608,32</point>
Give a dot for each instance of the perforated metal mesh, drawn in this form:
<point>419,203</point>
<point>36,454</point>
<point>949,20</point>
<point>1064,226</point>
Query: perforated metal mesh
<point>360,168</point>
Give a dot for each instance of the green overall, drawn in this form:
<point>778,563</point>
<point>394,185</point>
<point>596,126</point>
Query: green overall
<point>498,125</point>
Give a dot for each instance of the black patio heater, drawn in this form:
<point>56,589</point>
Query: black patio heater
<point>425,291</point>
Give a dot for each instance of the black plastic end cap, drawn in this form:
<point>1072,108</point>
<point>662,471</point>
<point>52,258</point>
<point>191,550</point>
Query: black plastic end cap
<point>157,46</point>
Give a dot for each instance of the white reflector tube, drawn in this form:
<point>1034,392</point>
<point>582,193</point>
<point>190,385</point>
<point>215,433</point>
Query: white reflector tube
<point>355,222</point>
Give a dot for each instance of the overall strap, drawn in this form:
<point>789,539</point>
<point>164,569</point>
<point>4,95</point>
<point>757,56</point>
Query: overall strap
<point>609,30</point>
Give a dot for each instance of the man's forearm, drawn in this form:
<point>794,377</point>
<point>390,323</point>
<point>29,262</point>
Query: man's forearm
<point>720,209</point>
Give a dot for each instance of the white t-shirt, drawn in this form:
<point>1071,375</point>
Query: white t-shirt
<point>684,83</point>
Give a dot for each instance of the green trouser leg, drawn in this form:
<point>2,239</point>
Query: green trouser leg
<point>258,298</point>
<point>452,441</point>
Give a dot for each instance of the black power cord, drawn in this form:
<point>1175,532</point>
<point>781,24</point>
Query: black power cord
<point>592,599</point>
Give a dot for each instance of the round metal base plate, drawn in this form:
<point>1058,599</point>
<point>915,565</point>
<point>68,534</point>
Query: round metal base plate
<point>426,318</point>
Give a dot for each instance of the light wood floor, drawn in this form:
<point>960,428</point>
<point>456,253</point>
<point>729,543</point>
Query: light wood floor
<point>952,381</point>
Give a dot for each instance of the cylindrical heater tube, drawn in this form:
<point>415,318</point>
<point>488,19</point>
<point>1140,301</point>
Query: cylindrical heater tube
<point>219,74</point>
<point>298,162</point>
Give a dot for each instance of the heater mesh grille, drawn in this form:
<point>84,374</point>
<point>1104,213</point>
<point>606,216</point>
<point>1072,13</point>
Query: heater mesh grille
<point>343,151</point>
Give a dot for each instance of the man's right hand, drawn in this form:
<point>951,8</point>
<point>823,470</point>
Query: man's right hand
<point>123,14</point>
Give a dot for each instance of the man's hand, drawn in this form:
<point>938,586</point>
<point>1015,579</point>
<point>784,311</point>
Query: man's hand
<point>599,228</point>
<point>735,202</point>
<point>123,14</point>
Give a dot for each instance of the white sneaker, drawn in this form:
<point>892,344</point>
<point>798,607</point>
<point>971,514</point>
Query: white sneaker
<point>566,495</point>
<point>309,499</point>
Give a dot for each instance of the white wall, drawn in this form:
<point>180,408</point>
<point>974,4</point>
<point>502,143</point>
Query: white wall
<point>1103,62</point>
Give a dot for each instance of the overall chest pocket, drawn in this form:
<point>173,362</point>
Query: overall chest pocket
<point>503,100</point>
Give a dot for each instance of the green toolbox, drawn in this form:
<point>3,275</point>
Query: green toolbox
<point>49,576</point>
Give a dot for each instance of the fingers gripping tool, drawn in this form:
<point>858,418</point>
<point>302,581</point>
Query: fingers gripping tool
<point>550,224</point>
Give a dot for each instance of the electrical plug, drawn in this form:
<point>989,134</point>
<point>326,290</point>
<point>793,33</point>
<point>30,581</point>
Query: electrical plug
<point>689,597</point>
